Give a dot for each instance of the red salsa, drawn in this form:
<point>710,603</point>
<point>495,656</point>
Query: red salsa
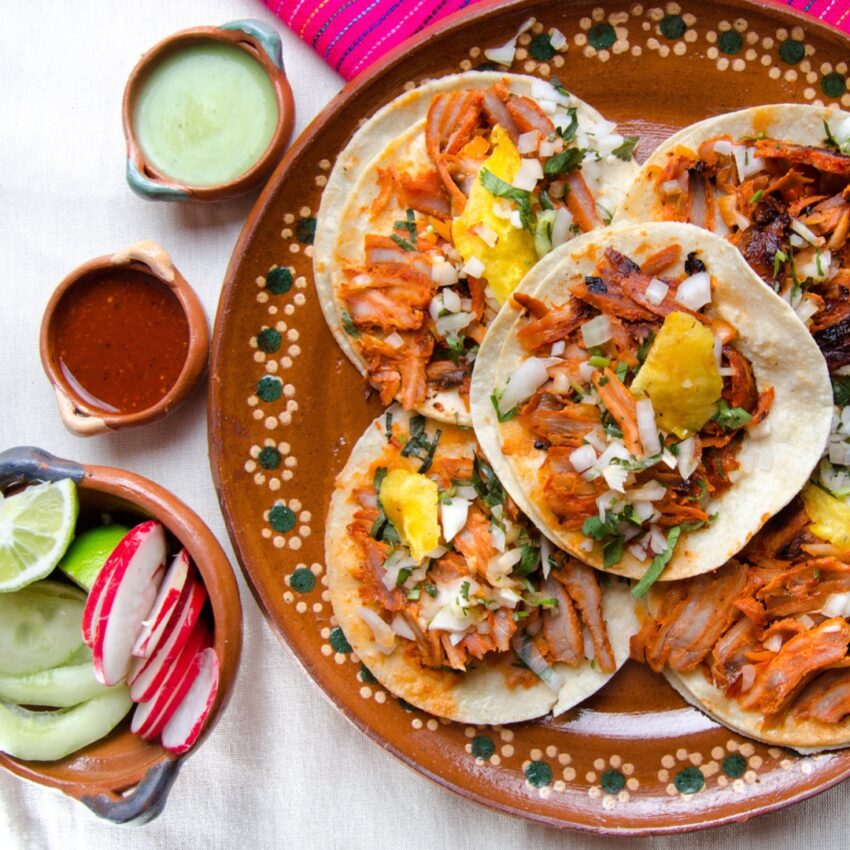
<point>121,340</point>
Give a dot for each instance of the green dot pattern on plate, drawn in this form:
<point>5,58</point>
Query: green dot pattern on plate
<point>833,85</point>
<point>612,781</point>
<point>339,642</point>
<point>734,765</point>
<point>483,746</point>
<point>730,42</point>
<point>302,580</point>
<point>792,51</point>
<point>672,26</point>
<point>268,340</point>
<point>269,388</point>
<point>281,518</point>
<point>487,66</point>
<point>279,281</point>
<point>305,230</point>
<point>365,675</point>
<point>541,48</point>
<point>689,780</point>
<point>538,773</point>
<point>601,36</point>
<point>269,458</point>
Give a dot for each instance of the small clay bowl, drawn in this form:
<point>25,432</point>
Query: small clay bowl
<point>78,413</point>
<point>263,44</point>
<point>122,778</point>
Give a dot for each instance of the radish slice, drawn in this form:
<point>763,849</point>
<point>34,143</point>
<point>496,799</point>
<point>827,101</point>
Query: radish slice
<point>150,717</point>
<point>150,673</point>
<point>153,626</point>
<point>187,721</point>
<point>96,595</point>
<point>128,596</point>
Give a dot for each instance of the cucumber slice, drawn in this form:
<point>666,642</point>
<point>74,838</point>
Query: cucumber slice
<point>51,735</point>
<point>60,687</point>
<point>40,627</point>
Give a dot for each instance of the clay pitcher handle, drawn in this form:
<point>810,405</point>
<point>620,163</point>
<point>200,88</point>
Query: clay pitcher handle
<point>267,37</point>
<point>28,463</point>
<point>143,803</point>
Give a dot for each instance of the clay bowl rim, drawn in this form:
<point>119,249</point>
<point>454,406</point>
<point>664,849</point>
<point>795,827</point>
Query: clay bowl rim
<point>149,499</point>
<point>197,352</point>
<point>267,161</point>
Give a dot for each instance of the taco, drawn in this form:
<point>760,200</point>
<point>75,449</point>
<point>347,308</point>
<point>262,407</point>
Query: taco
<point>417,248</point>
<point>449,596</point>
<point>775,181</point>
<point>648,402</point>
<point>761,644</point>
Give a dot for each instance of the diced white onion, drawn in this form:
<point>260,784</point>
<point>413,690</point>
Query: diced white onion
<point>545,554</point>
<point>741,221</point>
<point>759,431</point>
<point>527,175</point>
<point>643,509</point>
<point>362,280</point>
<point>453,323</point>
<point>839,453</point>
<point>504,55</point>
<point>543,90</point>
<point>647,428</point>
<point>841,133</point>
<point>502,210</point>
<point>597,331</point>
<point>806,621</point>
<point>524,382</point>
<point>605,502</point>
<point>485,233</point>
<point>516,220</point>
<point>615,477</point>
<point>451,300</point>
<point>586,545</point>
<point>546,149</point>
<point>586,371</point>
<point>806,309</point>
<point>657,540</point>
<point>637,552</point>
<point>561,227</point>
<point>723,147</point>
<point>798,227</point>
<point>773,643</point>
<point>473,267</point>
<point>394,340</point>
<point>694,291</point>
<point>596,438</point>
<point>836,605</point>
<point>583,458</point>
<point>746,162</point>
<point>443,273</point>
<point>671,187</point>
<point>384,635</point>
<point>453,515</point>
<point>534,660</point>
<point>687,459</point>
<point>497,535</point>
<point>527,142</point>
<point>558,348</point>
<point>652,491</point>
<point>656,291</point>
<point>723,371</point>
<point>400,626</point>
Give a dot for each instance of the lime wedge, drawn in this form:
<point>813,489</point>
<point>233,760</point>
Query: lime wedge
<point>88,553</point>
<point>36,526</point>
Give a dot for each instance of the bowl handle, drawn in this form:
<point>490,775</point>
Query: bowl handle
<point>267,37</point>
<point>27,463</point>
<point>146,187</point>
<point>143,803</point>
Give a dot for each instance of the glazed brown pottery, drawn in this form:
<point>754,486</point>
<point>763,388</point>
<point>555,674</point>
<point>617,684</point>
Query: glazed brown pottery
<point>260,42</point>
<point>146,262</point>
<point>121,777</point>
<point>287,406</point>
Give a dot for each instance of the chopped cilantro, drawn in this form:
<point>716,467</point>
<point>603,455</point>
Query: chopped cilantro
<point>564,162</point>
<point>621,371</point>
<point>627,148</point>
<point>568,133</point>
<point>778,259</point>
<point>730,418</point>
<point>431,590</point>
<point>832,142</point>
<point>464,591</point>
<point>498,187</point>
<point>495,398</point>
<point>658,563</point>
<point>757,196</point>
<point>560,88</point>
<point>419,445</point>
<point>486,484</point>
<point>645,346</point>
<point>348,325</point>
<point>545,200</point>
<point>409,224</point>
<point>456,345</point>
<point>841,389</point>
<point>414,594</point>
<point>388,425</point>
<point>612,551</point>
<point>529,560</point>
<point>403,576</point>
<point>402,242</point>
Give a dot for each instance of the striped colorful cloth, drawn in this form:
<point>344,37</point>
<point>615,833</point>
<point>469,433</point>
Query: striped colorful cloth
<point>352,34</point>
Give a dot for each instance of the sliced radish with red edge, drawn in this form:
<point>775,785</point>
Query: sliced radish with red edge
<point>185,725</point>
<point>154,625</point>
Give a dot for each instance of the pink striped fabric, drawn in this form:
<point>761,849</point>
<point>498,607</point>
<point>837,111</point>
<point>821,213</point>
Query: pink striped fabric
<point>352,34</point>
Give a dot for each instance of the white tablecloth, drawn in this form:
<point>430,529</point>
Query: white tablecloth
<point>282,768</point>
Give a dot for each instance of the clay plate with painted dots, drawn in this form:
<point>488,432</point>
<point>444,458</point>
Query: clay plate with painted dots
<point>287,406</point>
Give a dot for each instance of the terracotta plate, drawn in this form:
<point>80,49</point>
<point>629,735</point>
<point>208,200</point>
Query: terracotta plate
<point>286,407</point>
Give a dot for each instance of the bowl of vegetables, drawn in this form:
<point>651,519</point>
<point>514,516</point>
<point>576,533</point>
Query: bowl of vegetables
<point>120,632</point>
